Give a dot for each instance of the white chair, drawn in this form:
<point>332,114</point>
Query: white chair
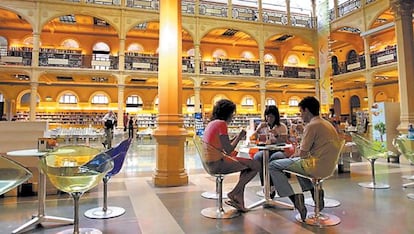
<point>217,212</point>
<point>318,218</point>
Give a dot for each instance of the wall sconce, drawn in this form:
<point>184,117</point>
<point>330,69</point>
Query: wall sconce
<point>365,99</point>
<point>283,102</point>
<point>48,98</point>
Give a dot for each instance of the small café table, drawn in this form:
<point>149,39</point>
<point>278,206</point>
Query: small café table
<point>41,195</point>
<point>268,202</point>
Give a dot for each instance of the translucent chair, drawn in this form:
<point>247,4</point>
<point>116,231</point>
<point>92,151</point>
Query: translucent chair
<point>406,147</point>
<point>118,154</point>
<point>218,212</point>
<point>318,218</point>
<point>12,175</point>
<point>75,170</point>
<point>370,152</point>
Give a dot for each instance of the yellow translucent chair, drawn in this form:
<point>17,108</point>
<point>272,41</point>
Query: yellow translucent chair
<point>218,212</point>
<point>370,152</point>
<point>406,147</point>
<point>75,170</point>
<point>12,175</point>
<point>318,218</point>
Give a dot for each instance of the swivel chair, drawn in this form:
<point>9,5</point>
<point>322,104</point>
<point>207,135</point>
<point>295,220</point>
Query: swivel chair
<point>118,154</point>
<point>12,175</point>
<point>68,172</point>
<point>406,147</point>
<point>370,152</point>
<point>217,212</point>
<point>318,218</point>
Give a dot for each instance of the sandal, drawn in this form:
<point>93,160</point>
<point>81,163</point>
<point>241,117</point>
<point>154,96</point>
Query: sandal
<point>236,205</point>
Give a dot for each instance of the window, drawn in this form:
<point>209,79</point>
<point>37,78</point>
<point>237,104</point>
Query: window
<point>101,60</point>
<point>247,102</point>
<point>1,97</point>
<point>270,102</point>
<point>190,101</point>
<point>3,46</point>
<point>293,101</point>
<point>70,43</point>
<point>292,60</point>
<point>268,58</point>
<point>247,55</point>
<point>100,99</point>
<point>219,53</point>
<point>135,47</point>
<point>134,101</point>
<point>68,98</point>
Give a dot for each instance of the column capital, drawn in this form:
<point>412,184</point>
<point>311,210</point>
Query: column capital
<point>402,7</point>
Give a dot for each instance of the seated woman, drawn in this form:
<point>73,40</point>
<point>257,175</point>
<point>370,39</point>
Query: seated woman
<point>276,131</point>
<point>216,134</point>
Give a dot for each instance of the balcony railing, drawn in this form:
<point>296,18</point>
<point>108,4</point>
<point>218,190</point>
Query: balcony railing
<point>389,55</point>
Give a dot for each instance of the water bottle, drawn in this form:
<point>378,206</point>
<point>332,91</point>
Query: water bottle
<point>411,132</point>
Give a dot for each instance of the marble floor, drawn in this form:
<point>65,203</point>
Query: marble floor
<point>151,209</point>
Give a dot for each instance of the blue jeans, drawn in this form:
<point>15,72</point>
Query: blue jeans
<point>283,188</point>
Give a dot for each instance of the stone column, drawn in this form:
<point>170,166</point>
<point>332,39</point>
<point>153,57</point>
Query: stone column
<point>367,54</point>
<point>33,99</point>
<point>262,88</point>
<point>35,51</point>
<point>170,134</point>
<point>370,92</point>
<point>289,20</point>
<point>197,101</point>
<point>405,52</point>
<point>121,55</point>
<point>197,59</point>
<point>120,111</point>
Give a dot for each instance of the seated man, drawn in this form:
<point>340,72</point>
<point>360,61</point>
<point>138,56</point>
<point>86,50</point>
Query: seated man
<point>321,141</point>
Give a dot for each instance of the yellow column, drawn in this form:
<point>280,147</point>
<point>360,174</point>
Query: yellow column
<point>405,53</point>
<point>120,111</point>
<point>370,93</point>
<point>33,99</point>
<point>170,135</point>
<point>35,51</point>
<point>197,101</point>
<point>262,87</point>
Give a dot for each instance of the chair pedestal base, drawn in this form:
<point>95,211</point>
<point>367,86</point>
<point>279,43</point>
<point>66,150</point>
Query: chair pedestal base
<point>216,213</point>
<point>371,185</point>
<point>322,220</point>
<point>99,213</point>
<point>213,195</point>
<point>329,203</point>
<point>81,231</point>
<point>408,177</point>
<point>410,195</point>
<point>36,220</point>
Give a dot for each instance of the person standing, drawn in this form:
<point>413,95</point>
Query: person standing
<point>109,121</point>
<point>216,135</point>
<point>318,148</point>
<point>131,127</point>
<point>126,119</point>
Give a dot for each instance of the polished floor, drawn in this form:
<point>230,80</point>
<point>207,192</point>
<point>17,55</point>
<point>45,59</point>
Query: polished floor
<point>152,209</point>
